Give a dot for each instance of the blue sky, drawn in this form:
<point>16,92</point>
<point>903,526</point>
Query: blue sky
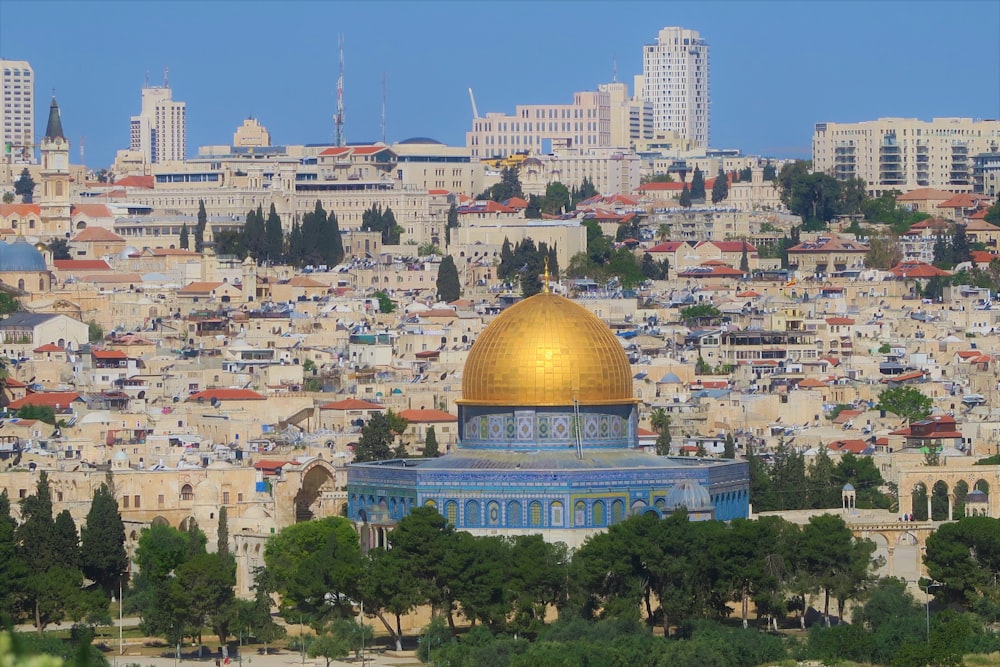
<point>777,67</point>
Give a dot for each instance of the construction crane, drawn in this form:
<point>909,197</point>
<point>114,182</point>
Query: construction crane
<point>475,111</point>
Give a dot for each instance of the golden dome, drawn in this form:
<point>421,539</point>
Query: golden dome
<point>543,351</point>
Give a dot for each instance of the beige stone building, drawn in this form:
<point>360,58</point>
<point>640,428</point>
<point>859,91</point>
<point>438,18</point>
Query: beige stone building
<point>535,128</point>
<point>904,153</point>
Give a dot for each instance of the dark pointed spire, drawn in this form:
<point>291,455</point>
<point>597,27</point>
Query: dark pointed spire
<point>54,129</point>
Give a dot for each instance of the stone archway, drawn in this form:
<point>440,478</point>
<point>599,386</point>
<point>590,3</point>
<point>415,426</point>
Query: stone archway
<point>314,496</point>
<point>912,478</point>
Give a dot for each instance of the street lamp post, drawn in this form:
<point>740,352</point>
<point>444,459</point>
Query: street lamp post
<point>927,604</point>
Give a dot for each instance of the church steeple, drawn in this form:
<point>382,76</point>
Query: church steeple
<point>54,128</point>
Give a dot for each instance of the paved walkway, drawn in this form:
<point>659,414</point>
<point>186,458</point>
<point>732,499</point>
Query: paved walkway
<point>283,659</point>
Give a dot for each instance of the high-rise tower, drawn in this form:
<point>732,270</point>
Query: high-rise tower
<point>675,79</point>
<point>159,131</point>
<point>17,110</point>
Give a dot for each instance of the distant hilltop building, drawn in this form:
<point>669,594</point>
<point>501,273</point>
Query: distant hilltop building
<point>905,153</point>
<point>17,110</point>
<point>675,80</point>
<point>159,132</point>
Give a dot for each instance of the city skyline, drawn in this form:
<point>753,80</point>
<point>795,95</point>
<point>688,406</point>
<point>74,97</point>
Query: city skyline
<point>281,68</point>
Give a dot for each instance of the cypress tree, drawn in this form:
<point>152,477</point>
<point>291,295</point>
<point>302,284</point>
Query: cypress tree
<point>66,540</point>
<point>431,444</point>
<point>744,259</point>
<point>686,197</point>
<point>199,230</point>
<point>102,551</point>
<point>273,236</point>
<point>448,286</point>
<point>720,188</point>
<point>698,185</point>
<point>184,243</point>
<point>222,534</point>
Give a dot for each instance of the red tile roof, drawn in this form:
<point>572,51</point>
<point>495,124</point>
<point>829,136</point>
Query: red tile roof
<point>227,395</point>
<point>839,320</point>
<point>47,398</point>
<point>352,404</point>
<point>135,182</point>
<point>93,211</point>
<point>19,210</point>
<point>962,200</point>
<point>913,268</point>
<point>667,246</point>
<point>438,192</point>
<point>811,383</point>
<point>270,466</point>
<point>91,234</point>
<point>108,354</point>
<point>48,347</point>
<point>923,194</point>
<point>427,416</point>
<point>853,446</point>
<point>81,265</point>
<point>731,246</point>
<point>353,150</point>
<point>200,288</point>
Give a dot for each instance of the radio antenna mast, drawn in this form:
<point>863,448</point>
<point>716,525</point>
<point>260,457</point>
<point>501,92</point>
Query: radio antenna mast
<point>339,121</point>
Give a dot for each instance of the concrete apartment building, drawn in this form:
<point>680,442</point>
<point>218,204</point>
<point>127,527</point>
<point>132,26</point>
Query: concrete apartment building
<point>159,131</point>
<point>631,117</point>
<point>586,123</point>
<point>905,153</point>
<point>17,110</point>
<point>675,80</point>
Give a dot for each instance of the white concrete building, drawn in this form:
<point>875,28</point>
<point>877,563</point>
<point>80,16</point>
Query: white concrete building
<point>17,110</point>
<point>905,153</point>
<point>675,79</point>
<point>159,132</point>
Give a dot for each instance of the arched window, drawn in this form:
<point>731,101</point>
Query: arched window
<point>472,514</point>
<point>430,503</point>
<point>514,514</point>
<point>600,517</point>
<point>59,189</point>
<point>41,284</point>
<point>535,514</point>
<point>451,512</point>
<point>493,514</point>
<point>617,511</point>
<point>580,513</point>
<point>187,493</point>
<point>556,513</point>
<point>20,284</point>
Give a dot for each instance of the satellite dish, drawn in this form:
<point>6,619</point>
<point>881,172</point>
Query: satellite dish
<point>177,399</point>
<point>201,399</point>
<point>215,402</point>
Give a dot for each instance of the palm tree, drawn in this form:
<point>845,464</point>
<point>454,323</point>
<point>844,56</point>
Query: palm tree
<point>663,232</point>
<point>659,419</point>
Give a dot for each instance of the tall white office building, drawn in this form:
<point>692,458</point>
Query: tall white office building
<point>159,131</point>
<point>675,81</point>
<point>17,110</point>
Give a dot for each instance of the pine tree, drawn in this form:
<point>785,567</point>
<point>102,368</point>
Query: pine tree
<point>685,197</point>
<point>102,552</point>
<point>184,243</point>
<point>451,224</point>
<point>744,259</point>
<point>720,188</point>
<point>431,444</point>
<point>13,570</point>
<point>506,266</point>
<point>376,440</point>
<point>448,286</point>
<point>24,186</point>
<point>960,251</point>
<point>698,185</point>
<point>294,255</point>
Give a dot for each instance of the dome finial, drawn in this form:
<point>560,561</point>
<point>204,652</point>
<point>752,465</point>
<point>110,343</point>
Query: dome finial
<point>545,280</point>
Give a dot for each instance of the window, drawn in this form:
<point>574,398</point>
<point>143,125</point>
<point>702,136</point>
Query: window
<point>599,515</point>
<point>493,514</point>
<point>514,514</point>
<point>556,513</point>
<point>136,502</point>
<point>472,514</point>
<point>187,493</point>
<point>125,502</point>
<point>225,497</point>
<point>534,514</point>
<point>160,500</point>
<point>451,512</point>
